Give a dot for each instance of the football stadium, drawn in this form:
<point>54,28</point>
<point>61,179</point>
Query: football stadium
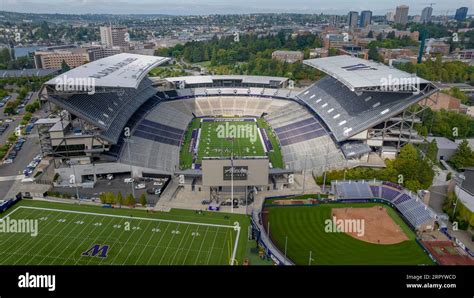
<point>185,128</point>
<point>225,141</point>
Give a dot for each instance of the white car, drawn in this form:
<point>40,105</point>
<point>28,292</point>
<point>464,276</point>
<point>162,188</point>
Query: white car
<point>110,176</point>
<point>128,180</point>
<point>158,183</point>
<point>9,160</point>
<point>140,186</point>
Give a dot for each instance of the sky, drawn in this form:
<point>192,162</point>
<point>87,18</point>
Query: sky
<point>192,7</point>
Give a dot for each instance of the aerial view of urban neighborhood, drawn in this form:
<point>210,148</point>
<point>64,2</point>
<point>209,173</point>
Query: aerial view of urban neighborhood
<point>226,134</point>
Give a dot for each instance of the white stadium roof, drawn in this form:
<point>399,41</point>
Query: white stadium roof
<point>358,73</point>
<point>118,71</point>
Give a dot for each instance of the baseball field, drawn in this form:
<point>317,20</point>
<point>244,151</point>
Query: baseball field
<point>304,231</point>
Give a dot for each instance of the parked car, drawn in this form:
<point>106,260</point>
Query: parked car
<point>110,176</point>
<point>128,180</point>
<point>140,186</point>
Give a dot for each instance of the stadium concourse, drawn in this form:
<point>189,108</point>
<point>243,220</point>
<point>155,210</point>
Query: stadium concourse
<point>113,119</point>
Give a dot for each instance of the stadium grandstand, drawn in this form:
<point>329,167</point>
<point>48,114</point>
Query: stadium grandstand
<point>129,122</point>
<point>411,206</point>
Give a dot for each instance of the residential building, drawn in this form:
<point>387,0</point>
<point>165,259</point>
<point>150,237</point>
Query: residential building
<point>114,36</point>
<point>365,18</point>
<point>401,15</point>
<point>426,14</point>
<point>288,56</point>
<point>352,19</point>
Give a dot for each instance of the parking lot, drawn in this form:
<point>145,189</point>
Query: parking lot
<point>24,156</point>
<point>116,185</point>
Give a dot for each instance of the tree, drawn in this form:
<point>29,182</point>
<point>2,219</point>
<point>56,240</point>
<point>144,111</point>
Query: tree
<point>130,201</point>
<point>374,54</point>
<point>103,197</point>
<point>432,151</point>
<point>370,34</point>
<point>65,67</point>
<point>119,200</point>
<point>143,200</point>
<point>463,157</point>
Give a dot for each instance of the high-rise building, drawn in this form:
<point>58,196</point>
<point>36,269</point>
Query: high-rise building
<point>461,14</point>
<point>365,18</point>
<point>114,36</point>
<point>426,14</point>
<point>401,15</point>
<point>352,19</point>
<point>389,16</point>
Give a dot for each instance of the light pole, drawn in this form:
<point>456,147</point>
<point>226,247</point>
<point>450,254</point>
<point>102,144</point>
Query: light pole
<point>304,172</point>
<point>310,259</point>
<point>131,169</point>
<point>73,165</point>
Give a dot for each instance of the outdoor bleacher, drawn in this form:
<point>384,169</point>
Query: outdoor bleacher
<point>412,208</point>
<point>305,143</point>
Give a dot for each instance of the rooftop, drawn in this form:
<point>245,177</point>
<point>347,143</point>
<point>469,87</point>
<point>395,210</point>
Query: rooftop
<point>443,143</point>
<point>120,71</point>
<point>358,73</point>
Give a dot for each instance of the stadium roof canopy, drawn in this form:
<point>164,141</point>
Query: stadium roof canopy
<point>359,74</point>
<point>194,80</point>
<point>118,71</point>
<point>27,73</point>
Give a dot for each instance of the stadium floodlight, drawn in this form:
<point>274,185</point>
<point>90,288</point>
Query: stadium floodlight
<point>73,164</point>
<point>128,141</point>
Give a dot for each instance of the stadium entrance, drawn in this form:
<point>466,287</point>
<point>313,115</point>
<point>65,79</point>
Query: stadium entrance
<point>238,179</point>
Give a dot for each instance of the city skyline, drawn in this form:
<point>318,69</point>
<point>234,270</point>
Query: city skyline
<point>195,7</point>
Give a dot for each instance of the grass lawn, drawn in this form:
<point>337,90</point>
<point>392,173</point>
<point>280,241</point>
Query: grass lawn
<point>186,157</point>
<point>212,145</point>
<point>304,227</point>
<point>132,237</point>
<point>275,156</point>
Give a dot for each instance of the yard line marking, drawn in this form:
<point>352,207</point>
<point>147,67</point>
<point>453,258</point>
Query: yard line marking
<point>168,245</point>
<point>134,217</point>
<point>11,235</point>
<point>96,238</point>
<point>154,250</point>
<point>136,242</point>
<point>59,242</point>
<point>118,239</point>
<point>146,245</point>
<point>32,246</point>
<point>79,236</point>
<point>14,244</point>
<point>212,246</point>
<point>200,247</point>
<point>179,245</point>
<point>191,245</point>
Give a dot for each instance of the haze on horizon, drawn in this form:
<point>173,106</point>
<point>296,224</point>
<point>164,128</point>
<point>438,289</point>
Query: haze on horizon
<point>205,7</point>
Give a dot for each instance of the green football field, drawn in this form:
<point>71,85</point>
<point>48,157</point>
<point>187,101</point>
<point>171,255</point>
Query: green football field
<point>89,235</point>
<point>303,229</point>
<point>211,144</point>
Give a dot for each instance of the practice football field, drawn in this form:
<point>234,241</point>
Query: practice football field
<point>302,229</point>
<point>211,145</point>
<point>84,235</point>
